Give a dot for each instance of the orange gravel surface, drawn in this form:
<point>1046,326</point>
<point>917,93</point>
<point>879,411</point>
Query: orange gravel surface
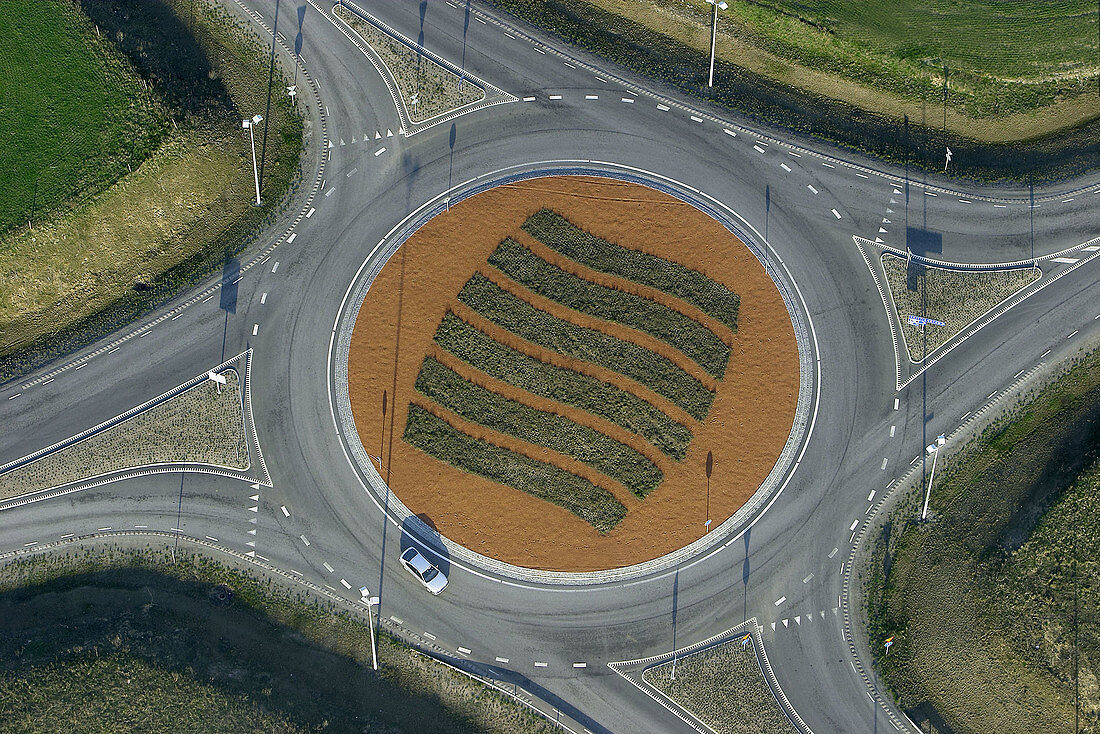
<point>746,429</point>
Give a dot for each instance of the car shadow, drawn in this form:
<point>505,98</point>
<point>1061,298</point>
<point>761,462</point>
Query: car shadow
<point>419,531</point>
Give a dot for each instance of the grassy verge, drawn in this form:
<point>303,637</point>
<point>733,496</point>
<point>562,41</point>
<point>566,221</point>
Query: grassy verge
<point>129,641</point>
<point>955,297</point>
<point>599,451</point>
<point>768,81</point>
<point>724,688</point>
<point>75,115</point>
<point>565,386</point>
<point>659,321</point>
<point>993,603</point>
<point>427,88</point>
<point>658,373</point>
<point>199,425</point>
<point>179,216</point>
<point>439,439</point>
<point>709,296</point>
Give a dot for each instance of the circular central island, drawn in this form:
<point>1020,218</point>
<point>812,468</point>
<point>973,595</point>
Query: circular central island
<point>578,373</point>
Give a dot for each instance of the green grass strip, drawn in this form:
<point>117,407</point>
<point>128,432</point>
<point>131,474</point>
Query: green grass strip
<point>655,319</point>
<point>561,235</point>
<point>436,437</point>
<point>563,385</point>
<point>658,373</point>
<point>492,410</point>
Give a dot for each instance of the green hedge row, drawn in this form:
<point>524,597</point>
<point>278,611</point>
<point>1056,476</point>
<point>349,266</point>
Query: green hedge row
<point>492,410</point>
<point>563,385</point>
<point>709,296</point>
<point>658,373</point>
<point>690,337</point>
<point>438,438</point>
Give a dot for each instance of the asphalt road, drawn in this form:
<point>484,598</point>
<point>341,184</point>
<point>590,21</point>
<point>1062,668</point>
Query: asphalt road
<point>787,572</point>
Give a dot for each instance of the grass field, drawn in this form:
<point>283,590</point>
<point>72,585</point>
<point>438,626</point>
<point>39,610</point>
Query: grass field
<point>437,438</point>
<point>446,387</point>
<point>658,373</point>
<point>134,641</point>
<point>199,425</point>
<point>852,73</point>
<point>113,253</point>
<point>659,321</point>
<point>723,687</point>
<point>74,113</point>
<point>993,603</point>
<point>565,386</point>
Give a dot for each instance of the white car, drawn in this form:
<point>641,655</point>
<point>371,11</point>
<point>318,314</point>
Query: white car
<point>431,577</point>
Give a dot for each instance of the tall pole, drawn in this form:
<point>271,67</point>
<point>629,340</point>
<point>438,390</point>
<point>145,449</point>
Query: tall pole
<point>255,170</point>
<point>713,43</point>
<point>370,602</point>
<point>928,492</point>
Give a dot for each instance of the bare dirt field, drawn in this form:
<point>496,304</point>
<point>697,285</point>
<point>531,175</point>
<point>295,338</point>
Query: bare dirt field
<point>746,428</point>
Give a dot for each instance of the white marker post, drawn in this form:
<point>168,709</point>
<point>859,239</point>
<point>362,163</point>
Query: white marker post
<point>948,158</point>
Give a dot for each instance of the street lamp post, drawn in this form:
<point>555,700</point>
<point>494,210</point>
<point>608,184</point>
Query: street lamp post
<point>250,125</point>
<point>718,5</point>
<point>934,449</point>
<point>370,601</point>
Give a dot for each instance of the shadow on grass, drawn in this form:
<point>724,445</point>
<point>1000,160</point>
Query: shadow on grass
<point>208,633</point>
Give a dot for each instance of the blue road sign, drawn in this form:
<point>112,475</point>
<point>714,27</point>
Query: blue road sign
<point>923,321</point>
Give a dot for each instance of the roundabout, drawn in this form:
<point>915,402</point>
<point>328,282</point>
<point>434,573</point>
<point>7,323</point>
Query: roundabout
<point>752,419</point>
<point>528,604</point>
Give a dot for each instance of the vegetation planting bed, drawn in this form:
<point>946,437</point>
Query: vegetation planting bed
<point>531,414</point>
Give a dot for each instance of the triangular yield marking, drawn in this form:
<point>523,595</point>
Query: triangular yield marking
<point>251,544</point>
<point>377,135</point>
<point>255,498</point>
<point>330,145</point>
<point>342,142</point>
<point>786,623</point>
<point>252,531</point>
<point>878,240</point>
<point>886,221</point>
<point>252,520</point>
<point>889,211</point>
<point>255,486</point>
<point>353,139</point>
<point>773,626</point>
<point>251,554</point>
<point>822,613</point>
<point>389,133</point>
<point>881,230</point>
<point>798,620</point>
<point>892,201</point>
<point>254,509</point>
<point>897,191</point>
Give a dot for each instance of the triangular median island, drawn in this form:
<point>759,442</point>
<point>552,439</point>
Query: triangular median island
<point>950,295</point>
<point>425,86</point>
<point>202,425</point>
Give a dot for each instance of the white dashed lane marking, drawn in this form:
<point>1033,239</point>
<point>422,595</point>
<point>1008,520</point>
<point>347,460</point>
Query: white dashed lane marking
<point>812,189</point>
<point>501,660</point>
<point>836,214</point>
<point>464,650</point>
<point>328,568</point>
<point>780,600</point>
